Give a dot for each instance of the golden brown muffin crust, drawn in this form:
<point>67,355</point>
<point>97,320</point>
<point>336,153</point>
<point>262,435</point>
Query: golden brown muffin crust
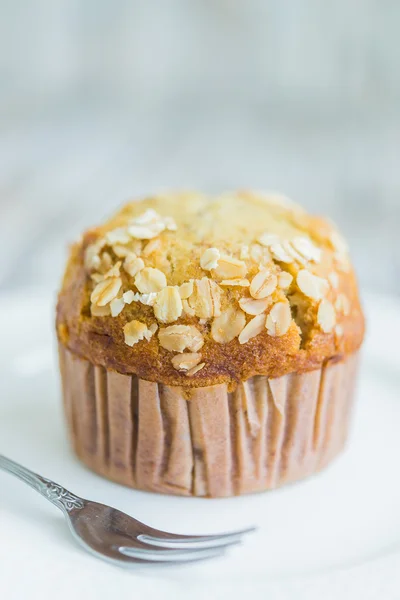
<point>260,286</point>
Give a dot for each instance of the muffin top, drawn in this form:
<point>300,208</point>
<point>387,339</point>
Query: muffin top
<point>194,290</point>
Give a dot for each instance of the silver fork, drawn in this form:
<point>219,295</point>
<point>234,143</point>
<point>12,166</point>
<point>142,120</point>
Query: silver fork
<point>118,538</point>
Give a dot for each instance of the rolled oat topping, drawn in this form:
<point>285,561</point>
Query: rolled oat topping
<point>168,305</point>
<point>279,319</point>
<point>151,247</point>
<point>187,309</point>
<point>326,316</point>
<point>228,325</point>
<point>149,225</point>
<point>135,331</point>
<point>206,298</point>
<point>124,251</point>
<point>268,239</point>
<point>280,254</point>
<point>117,306</point>
<point>195,370</point>
<point>106,291</point>
<point>307,249</point>
<point>209,259</point>
<point>256,253</point>
<point>230,268</point>
<point>312,286</point>
<point>263,284</point>
<point>251,306</point>
<point>146,299</point>
<point>253,328</point>
<point>186,289</point>
<point>342,305</point>
<point>186,361</point>
<point>114,271</point>
<point>130,297</point>
<point>92,255</point>
<point>260,255</point>
<point>178,338</point>
<point>236,282</point>
<point>133,264</point>
<point>150,280</point>
<point>285,280</point>
<point>118,236</point>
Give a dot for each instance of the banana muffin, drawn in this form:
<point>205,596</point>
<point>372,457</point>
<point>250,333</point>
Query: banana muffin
<point>209,345</point>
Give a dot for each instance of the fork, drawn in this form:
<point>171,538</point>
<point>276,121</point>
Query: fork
<point>118,538</point>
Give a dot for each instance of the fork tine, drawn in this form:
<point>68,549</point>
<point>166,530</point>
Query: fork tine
<point>166,540</point>
<point>170,556</point>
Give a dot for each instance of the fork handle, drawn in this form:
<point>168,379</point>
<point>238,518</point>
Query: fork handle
<point>55,493</point>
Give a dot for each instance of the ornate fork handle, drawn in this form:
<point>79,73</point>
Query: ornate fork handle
<point>59,496</point>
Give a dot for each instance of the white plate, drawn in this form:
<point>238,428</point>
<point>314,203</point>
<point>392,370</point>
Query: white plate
<point>342,526</point>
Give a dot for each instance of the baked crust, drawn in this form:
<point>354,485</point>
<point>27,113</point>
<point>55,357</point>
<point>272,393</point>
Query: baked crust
<point>238,225</point>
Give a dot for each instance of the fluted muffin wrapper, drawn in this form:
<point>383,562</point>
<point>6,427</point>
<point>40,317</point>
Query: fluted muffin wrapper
<point>207,441</point>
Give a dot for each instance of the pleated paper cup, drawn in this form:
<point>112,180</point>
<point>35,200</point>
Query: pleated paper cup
<point>207,441</point>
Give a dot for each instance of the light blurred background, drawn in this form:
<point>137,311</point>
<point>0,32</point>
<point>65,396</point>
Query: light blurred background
<point>101,100</point>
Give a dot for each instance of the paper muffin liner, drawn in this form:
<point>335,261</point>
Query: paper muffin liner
<point>207,441</point>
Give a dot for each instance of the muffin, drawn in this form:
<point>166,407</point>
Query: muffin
<point>209,345</point>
